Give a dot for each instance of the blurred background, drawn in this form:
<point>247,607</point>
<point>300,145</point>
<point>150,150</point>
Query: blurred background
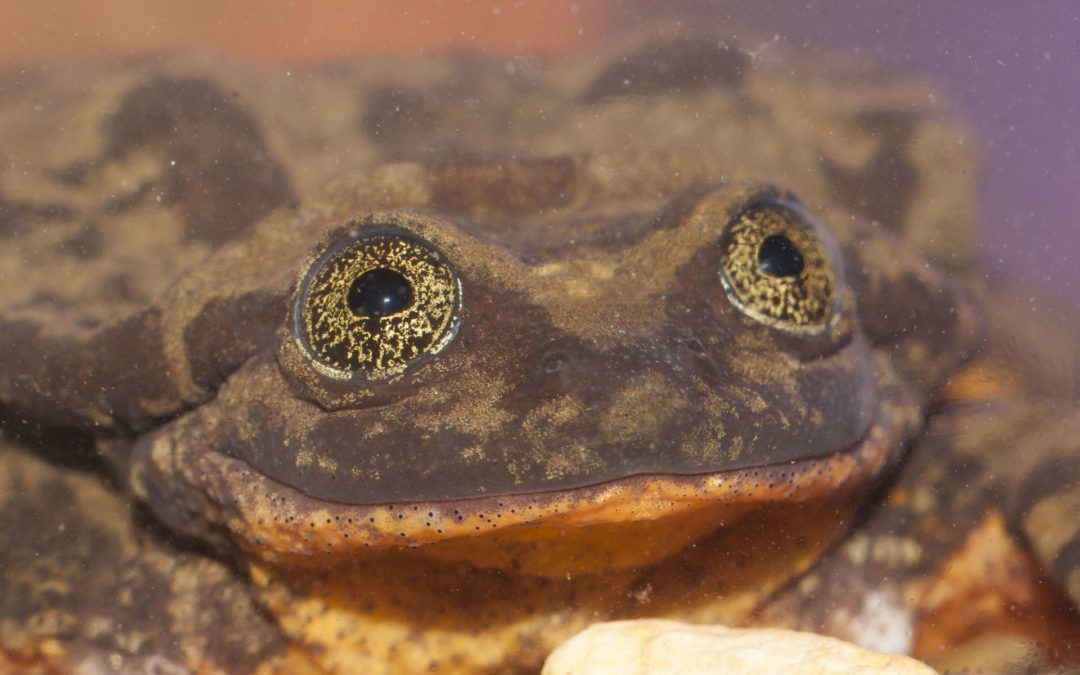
<point>1011,68</point>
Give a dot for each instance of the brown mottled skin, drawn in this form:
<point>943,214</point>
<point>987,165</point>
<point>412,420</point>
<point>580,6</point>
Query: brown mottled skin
<point>606,429</point>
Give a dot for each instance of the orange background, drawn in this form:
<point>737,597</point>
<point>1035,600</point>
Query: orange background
<point>291,30</point>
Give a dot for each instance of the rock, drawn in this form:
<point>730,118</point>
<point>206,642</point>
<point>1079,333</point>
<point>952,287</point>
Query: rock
<point>659,647</point>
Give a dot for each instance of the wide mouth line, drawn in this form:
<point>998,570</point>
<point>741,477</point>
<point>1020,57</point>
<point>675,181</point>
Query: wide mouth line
<point>688,479</point>
<point>270,518</point>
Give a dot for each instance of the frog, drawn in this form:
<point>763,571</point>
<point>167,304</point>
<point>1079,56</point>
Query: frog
<point>427,363</point>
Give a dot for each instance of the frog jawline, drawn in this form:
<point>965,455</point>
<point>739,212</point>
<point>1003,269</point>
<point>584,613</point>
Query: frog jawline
<point>283,525</point>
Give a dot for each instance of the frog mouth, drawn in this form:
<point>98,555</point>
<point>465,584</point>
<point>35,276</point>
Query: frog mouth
<point>281,523</point>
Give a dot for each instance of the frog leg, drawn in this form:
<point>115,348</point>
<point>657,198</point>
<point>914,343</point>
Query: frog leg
<point>1045,503</point>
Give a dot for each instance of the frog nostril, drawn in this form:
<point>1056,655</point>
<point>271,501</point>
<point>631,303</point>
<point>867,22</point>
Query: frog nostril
<point>694,345</point>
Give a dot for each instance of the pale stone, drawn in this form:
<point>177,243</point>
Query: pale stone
<point>662,647</point>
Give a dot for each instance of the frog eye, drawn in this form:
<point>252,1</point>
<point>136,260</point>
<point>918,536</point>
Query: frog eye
<point>776,268</point>
<point>375,303</point>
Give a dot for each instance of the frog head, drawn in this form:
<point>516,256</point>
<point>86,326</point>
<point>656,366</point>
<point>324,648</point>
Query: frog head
<point>534,392</point>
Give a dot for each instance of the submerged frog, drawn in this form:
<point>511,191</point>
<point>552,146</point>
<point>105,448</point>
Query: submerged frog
<point>572,341</point>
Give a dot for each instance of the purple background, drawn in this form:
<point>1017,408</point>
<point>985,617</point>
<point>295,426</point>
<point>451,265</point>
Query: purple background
<point>1011,68</point>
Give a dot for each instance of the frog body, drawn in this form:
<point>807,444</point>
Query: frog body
<point>590,346</point>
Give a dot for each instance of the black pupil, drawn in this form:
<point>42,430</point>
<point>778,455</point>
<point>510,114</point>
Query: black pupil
<point>379,292</point>
<point>779,257</point>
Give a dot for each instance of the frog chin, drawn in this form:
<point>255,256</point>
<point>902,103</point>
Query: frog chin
<point>628,522</point>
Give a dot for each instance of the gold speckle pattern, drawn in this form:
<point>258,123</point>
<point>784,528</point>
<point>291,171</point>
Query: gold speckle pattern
<point>378,346</point>
<point>801,301</point>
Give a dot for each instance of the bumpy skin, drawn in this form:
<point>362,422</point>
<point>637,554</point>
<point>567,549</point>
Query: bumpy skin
<point>604,427</point>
